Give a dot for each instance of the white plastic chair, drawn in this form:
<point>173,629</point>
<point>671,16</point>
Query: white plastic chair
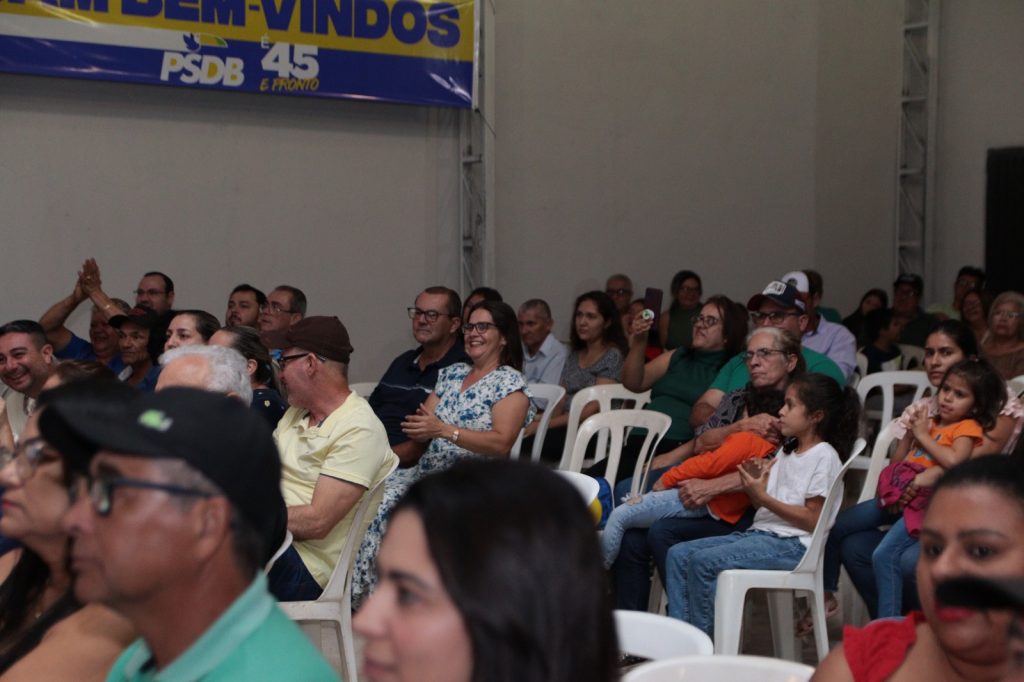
<point>586,486</point>
<point>854,610</point>
<point>658,637</point>
<point>806,577</point>
<point>618,423</point>
<point>913,356</point>
<point>335,603</point>
<point>604,394</point>
<point>552,393</point>
<point>720,669</point>
<point>288,537</point>
<point>1016,385</point>
<point>363,388</point>
<point>886,381</point>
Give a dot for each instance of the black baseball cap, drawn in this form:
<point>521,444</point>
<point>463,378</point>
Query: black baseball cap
<point>216,435</point>
<point>323,335</point>
<point>911,279</point>
<point>783,293</point>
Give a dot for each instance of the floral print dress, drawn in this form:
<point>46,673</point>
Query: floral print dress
<point>470,410</point>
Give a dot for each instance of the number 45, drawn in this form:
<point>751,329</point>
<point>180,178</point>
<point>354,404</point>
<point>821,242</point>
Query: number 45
<point>301,63</point>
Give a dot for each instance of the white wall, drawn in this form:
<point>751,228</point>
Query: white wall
<point>353,202</point>
<point>855,147</point>
<point>981,105</point>
<point>741,139</point>
<point>738,139</point>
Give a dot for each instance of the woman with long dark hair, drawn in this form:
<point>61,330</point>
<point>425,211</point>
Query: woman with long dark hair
<point>597,347</point>
<point>476,586</point>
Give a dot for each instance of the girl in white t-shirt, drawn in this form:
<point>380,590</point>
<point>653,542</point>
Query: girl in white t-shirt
<point>818,420</point>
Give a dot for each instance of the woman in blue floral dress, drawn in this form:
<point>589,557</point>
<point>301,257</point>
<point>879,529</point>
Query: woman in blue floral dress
<point>475,410</point>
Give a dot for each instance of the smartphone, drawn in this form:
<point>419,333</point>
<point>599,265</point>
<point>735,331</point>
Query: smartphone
<point>652,302</point>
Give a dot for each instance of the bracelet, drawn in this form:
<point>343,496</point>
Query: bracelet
<point>454,438</point>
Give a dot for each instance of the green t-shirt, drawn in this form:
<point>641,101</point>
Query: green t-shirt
<point>687,377</point>
<point>735,375</point>
<point>252,640</point>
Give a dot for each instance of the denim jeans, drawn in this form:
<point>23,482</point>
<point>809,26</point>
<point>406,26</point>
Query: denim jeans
<point>887,561</point>
<point>631,572</point>
<point>649,508</point>
<point>865,516</point>
<point>290,580</point>
<point>854,540</point>
<point>692,569</point>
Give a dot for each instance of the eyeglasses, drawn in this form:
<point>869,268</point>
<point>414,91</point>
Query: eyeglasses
<point>706,320</point>
<point>150,292</point>
<point>276,308</point>
<point>763,353</point>
<point>479,327</point>
<point>27,457</point>
<point>776,317</point>
<point>621,291</point>
<point>1007,314</point>
<point>431,315</point>
<point>282,359</point>
<point>101,491</point>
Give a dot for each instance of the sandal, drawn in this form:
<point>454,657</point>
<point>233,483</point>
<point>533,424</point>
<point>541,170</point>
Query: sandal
<point>805,624</point>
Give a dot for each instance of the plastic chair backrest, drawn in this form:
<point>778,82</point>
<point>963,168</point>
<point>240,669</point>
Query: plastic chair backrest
<point>649,635</point>
<point>913,356</point>
<point>886,381</point>
<point>1016,385</point>
<point>879,458</point>
<point>288,537</point>
<point>720,668</point>
<point>338,585</point>
<point>816,548</point>
<point>363,388</point>
<point>604,394</point>
<point>617,422</point>
<point>552,393</point>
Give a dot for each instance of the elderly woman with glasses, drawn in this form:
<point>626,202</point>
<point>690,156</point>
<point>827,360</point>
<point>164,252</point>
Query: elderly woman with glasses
<point>1003,346</point>
<point>45,634</point>
<point>476,410</point>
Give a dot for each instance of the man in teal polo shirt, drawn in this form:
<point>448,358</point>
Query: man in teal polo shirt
<point>171,530</point>
<point>779,305</point>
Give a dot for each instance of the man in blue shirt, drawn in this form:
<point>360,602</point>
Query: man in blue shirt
<point>436,322</point>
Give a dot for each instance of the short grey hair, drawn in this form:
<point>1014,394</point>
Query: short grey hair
<point>228,369</point>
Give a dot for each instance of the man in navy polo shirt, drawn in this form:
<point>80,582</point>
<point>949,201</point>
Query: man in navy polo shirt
<point>411,377</point>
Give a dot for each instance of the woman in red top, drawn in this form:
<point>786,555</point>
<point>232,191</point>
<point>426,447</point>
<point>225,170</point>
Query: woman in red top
<point>974,526</point>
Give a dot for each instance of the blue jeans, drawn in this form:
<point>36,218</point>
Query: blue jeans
<point>290,580</point>
<point>631,572</point>
<point>887,562</point>
<point>852,542</point>
<point>649,508</point>
<point>692,570</point>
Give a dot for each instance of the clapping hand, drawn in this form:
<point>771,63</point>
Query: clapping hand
<point>754,477</point>
<point>422,426</point>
